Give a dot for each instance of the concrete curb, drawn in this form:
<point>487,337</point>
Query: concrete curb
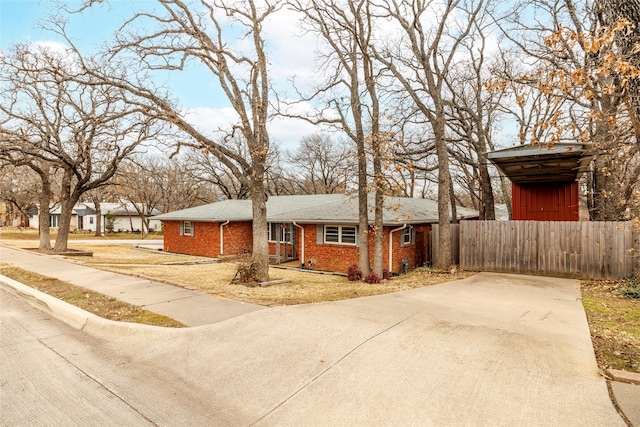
<point>78,318</point>
<point>624,376</point>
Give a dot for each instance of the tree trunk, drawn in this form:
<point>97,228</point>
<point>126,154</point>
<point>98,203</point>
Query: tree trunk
<point>68,199</point>
<point>444,199</point>
<point>98,209</point>
<point>505,185</point>
<point>44,218</point>
<point>144,220</point>
<point>487,207</point>
<point>64,227</point>
<point>378,258</point>
<point>607,202</point>
<point>260,257</point>
<point>454,207</point>
<point>363,218</point>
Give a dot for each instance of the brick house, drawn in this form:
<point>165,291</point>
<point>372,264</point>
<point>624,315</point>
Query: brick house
<point>321,231</point>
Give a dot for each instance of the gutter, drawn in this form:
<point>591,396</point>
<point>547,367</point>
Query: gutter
<point>391,245</point>
<point>222,237</point>
<point>301,243</point>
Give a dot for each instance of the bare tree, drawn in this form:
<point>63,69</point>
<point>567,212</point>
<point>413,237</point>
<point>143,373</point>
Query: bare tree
<point>51,121</point>
<point>19,191</point>
<point>97,196</point>
<point>586,74</point>
<point>178,33</point>
<point>351,94</point>
<point>182,186</point>
<point>209,169</point>
<point>43,180</point>
<point>138,184</point>
<point>321,165</point>
<point>419,59</point>
<point>473,111</point>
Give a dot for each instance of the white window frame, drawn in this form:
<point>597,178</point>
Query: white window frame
<point>341,235</point>
<point>54,220</point>
<point>186,231</point>
<point>407,236</point>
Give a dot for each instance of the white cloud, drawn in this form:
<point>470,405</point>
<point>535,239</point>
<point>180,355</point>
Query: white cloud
<point>50,46</point>
<point>283,131</point>
<point>291,53</point>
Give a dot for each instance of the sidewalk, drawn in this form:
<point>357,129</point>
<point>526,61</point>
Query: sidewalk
<point>191,307</point>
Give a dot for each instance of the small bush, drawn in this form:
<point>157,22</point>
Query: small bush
<point>386,274</point>
<point>630,287</point>
<point>354,273</point>
<point>372,278</point>
<point>246,274</point>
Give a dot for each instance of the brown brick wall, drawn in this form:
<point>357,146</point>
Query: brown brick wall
<point>332,257</point>
<point>238,238</point>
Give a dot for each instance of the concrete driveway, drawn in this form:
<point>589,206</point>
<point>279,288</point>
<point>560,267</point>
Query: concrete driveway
<point>490,350</point>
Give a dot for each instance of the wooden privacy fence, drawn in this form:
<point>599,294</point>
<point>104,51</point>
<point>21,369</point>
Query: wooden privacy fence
<point>455,243</point>
<point>590,249</point>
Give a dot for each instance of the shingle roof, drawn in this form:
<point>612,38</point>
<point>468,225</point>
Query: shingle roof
<point>317,208</point>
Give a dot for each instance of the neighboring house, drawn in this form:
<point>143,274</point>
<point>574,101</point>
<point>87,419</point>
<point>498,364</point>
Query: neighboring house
<point>126,218</point>
<point>321,231</point>
<point>54,217</point>
<point>544,180</point>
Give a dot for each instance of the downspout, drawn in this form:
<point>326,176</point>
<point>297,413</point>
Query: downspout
<point>391,245</point>
<point>222,237</point>
<point>301,243</point>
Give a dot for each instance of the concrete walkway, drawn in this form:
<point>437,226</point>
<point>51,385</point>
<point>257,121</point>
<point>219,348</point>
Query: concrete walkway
<point>493,349</point>
<point>191,307</point>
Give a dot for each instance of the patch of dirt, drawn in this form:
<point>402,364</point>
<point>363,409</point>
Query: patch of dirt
<point>68,252</point>
<point>93,302</point>
<point>614,322</point>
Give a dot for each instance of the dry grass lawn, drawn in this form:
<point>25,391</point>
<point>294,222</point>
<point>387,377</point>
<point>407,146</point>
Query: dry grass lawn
<point>304,287</point>
<point>614,322</point>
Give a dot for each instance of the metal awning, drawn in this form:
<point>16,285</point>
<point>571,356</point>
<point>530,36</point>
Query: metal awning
<point>526,164</point>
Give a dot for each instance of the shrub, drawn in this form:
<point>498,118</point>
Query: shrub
<point>386,274</point>
<point>354,273</point>
<point>246,274</point>
<point>630,287</point>
<point>372,278</point>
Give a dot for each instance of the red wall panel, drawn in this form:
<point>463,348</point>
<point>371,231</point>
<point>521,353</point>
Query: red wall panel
<point>545,202</point>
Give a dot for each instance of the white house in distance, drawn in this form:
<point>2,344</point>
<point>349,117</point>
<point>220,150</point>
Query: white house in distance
<point>126,218</point>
